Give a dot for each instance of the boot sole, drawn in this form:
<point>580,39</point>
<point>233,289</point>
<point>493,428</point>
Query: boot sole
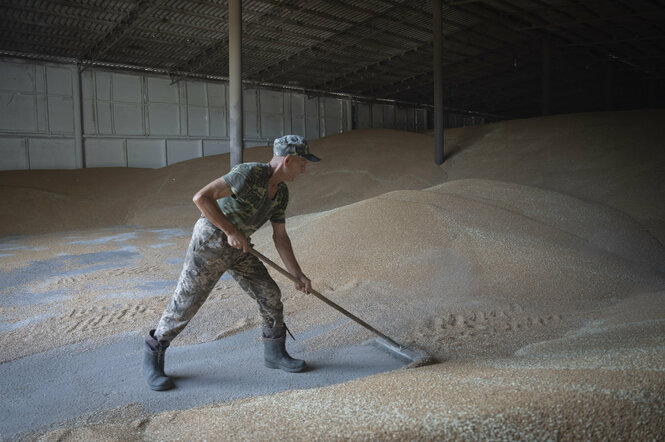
<point>281,367</point>
<point>161,387</point>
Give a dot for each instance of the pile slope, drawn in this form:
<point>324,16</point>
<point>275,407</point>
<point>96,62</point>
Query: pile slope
<point>356,165</point>
<point>530,264</point>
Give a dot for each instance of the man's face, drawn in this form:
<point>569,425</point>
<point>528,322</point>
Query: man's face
<point>295,166</point>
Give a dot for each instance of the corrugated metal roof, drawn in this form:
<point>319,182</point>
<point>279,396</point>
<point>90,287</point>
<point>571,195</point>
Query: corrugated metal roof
<point>373,48</point>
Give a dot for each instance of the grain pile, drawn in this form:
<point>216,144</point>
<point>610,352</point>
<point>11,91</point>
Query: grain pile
<point>356,166</point>
<point>530,264</point>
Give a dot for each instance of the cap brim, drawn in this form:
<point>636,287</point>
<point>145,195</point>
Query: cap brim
<point>310,157</point>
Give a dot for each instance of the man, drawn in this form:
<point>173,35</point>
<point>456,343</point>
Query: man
<point>233,207</point>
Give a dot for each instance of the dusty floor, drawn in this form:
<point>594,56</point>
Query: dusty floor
<point>530,264</point>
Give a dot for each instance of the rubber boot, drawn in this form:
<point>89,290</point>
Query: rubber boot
<point>153,364</point>
<point>274,351</point>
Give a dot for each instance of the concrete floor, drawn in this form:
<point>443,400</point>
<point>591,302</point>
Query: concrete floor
<point>93,375</point>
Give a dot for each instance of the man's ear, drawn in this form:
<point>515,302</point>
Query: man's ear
<point>287,160</point>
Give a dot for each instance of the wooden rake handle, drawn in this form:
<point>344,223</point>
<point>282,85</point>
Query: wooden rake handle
<point>337,307</point>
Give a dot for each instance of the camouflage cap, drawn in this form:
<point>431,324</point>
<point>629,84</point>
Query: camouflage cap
<point>293,145</point>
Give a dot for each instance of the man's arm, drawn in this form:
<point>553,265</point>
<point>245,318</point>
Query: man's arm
<point>283,246</point>
<point>206,200</point>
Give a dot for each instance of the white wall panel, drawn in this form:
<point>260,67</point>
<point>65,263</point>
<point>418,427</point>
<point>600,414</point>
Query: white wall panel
<point>52,153</point>
<point>103,86</point>
<point>142,110</point>
<point>312,118</point>
<point>88,94</point>
<point>410,119</point>
<point>272,113</point>
<point>419,120</point>
<point>348,115</point>
<point>160,90</point>
<point>250,125</point>
<point>127,104</point>
<point>182,99</point>
<point>333,126</point>
<point>332,108</point>
<point>88,85</point>
<point>389,117</point>
<point>298,105</point>
<point>298,125</point>
<point>363,116</point>
<point>196,93</point>
<point>250,114</point>
<point>146,153</point>
<point>40,79</point>
<point>18,112</point>
<point>127,87</point>
<point>42,113</point>
<point>183,120</point>
<point>13,154</point>
<point>197,119</point>
<point>128,119</point>
<point>61,114</point>
<point>218,123</point>
<point>312,107</point>
<point>286,113</point>
<point>101,152</point>
<point>214,147</point>
<point>311,128</point>
<point>89,117</point>
<point>164,119</point>
<point>272,101</point>
<point>104,122</point>
<point>18,95</point>
<point>377,115</point>
<point>401,122</point>
<point>181,150</point>
<point>332,116</point>
<point>217,95</point>
<point>272,125</point>
<point>249,100</point>
<point>59,81</point>
<point>18,77</point>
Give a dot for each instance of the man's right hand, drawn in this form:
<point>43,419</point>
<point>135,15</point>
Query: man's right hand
<point>238,240</point>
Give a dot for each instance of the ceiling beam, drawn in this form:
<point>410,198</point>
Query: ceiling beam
<point>107,42</point>
<point>456,37</point>
<point>294,62</point>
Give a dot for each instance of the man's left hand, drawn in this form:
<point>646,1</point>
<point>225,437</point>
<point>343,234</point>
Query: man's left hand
<point>305,285</point>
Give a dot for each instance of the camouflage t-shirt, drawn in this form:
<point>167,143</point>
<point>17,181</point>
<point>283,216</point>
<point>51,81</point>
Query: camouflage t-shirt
<point>250,205</point>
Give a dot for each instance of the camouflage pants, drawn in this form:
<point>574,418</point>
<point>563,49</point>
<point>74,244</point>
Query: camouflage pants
<point>209,255</point>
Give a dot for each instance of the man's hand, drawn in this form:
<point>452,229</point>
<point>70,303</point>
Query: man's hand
<point>305,285</point>
<point>238,240</point>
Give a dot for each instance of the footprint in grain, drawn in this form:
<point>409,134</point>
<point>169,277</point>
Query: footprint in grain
<point>95,317</point>
<point>477,322</point>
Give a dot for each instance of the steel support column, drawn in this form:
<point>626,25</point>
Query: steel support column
<point>235,81</point>
<point>438,81</point>
<point>77,98</point>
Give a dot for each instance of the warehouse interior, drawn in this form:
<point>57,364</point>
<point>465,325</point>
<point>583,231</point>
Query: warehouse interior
<point>489,191</point>
<point>145,83</point>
